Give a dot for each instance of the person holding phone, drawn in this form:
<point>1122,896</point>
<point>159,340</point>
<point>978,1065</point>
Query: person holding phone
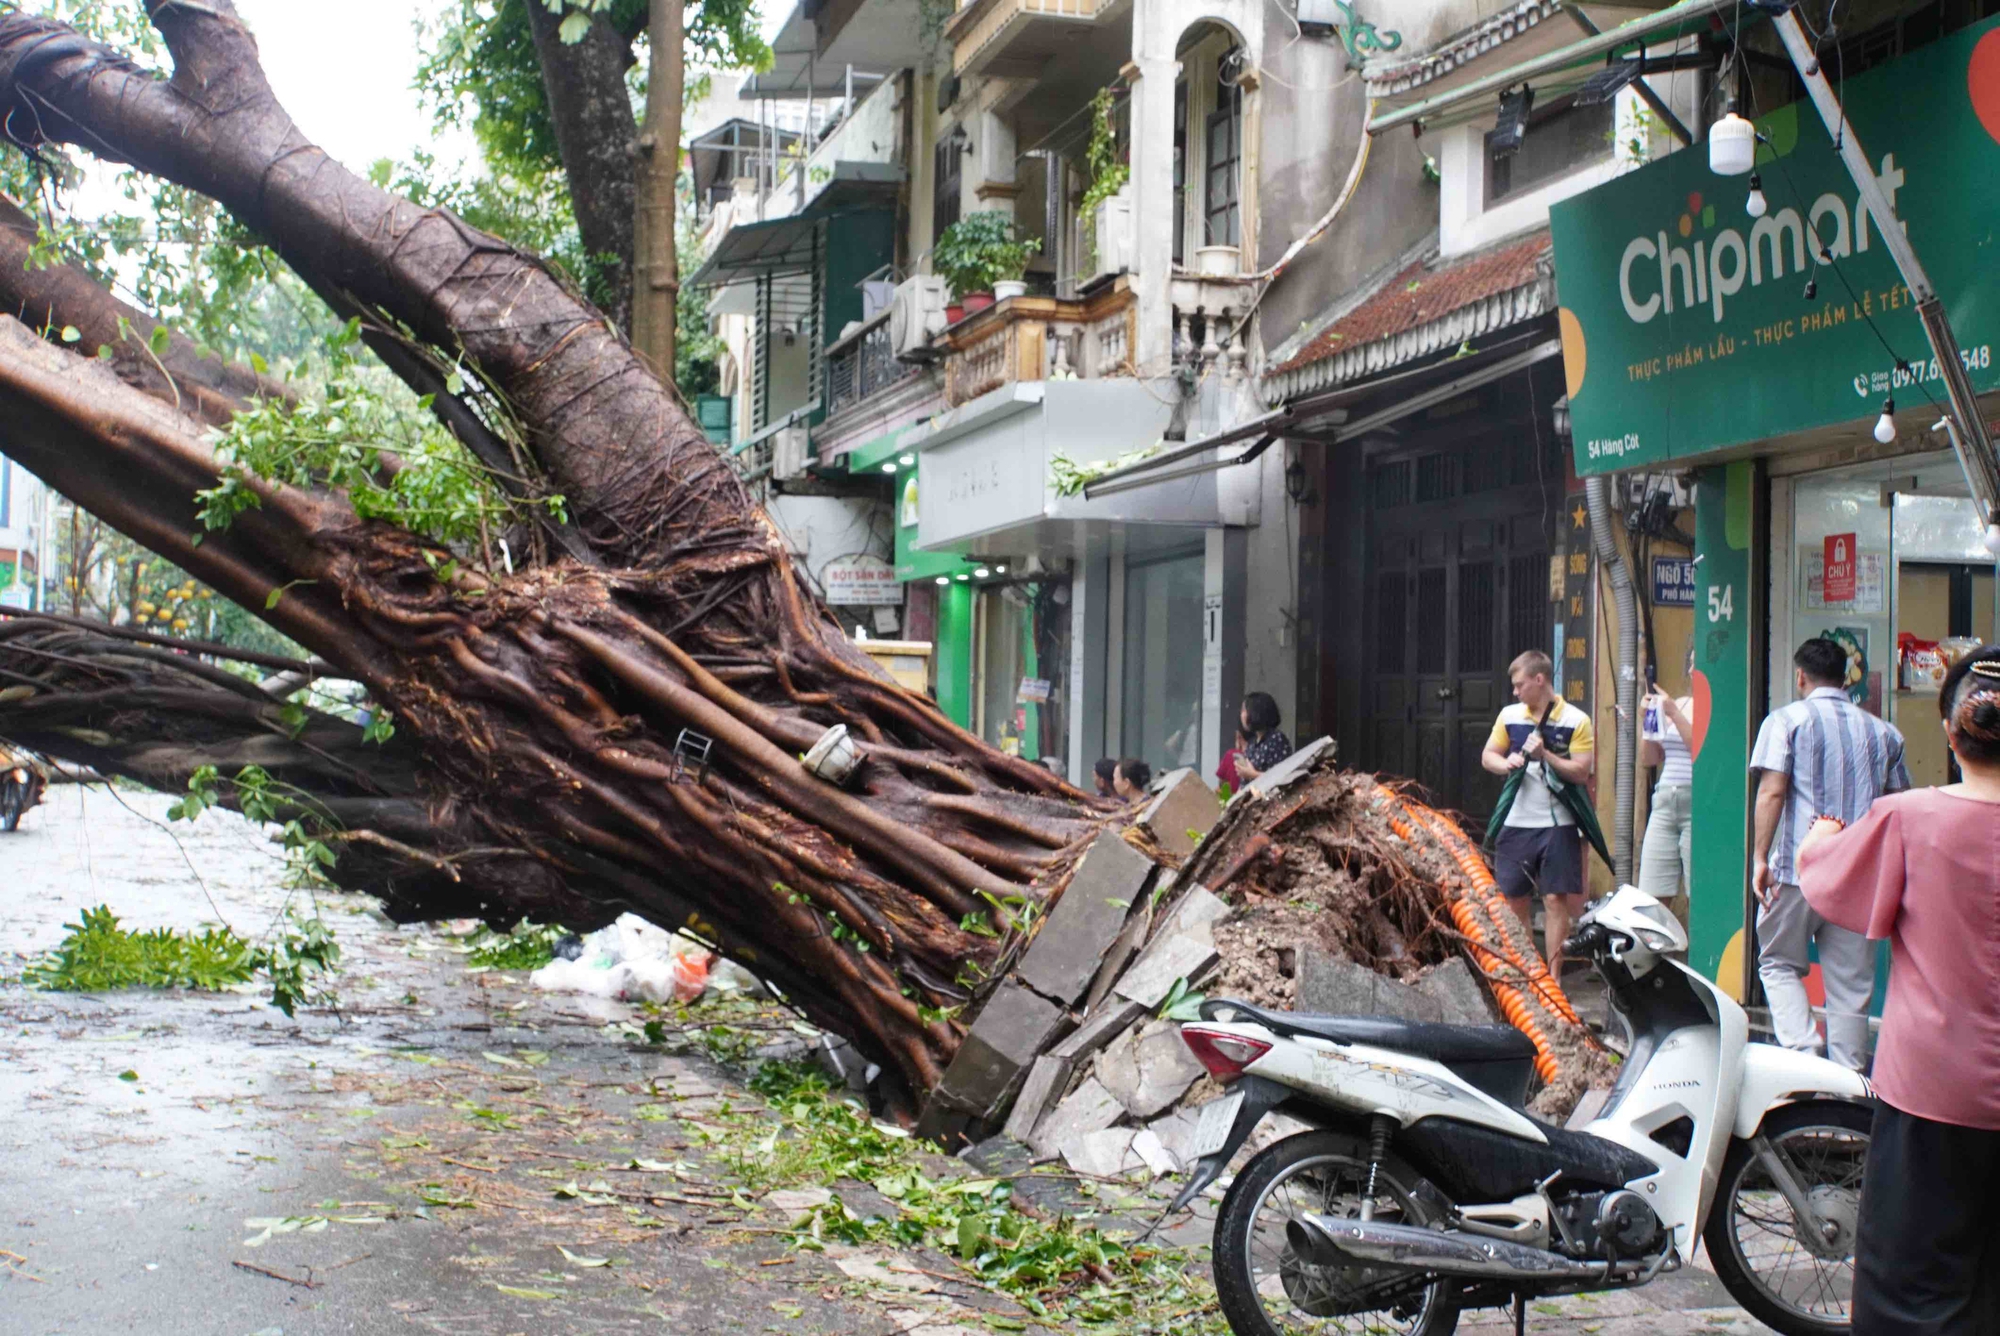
<point>1666,742</point>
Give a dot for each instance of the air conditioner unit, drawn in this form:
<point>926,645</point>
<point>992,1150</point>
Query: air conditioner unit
<point>788,452</point>
<point>916,313</point>
<point>1108,240</point>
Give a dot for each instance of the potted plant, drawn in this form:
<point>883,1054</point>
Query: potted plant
<point>978,254</point>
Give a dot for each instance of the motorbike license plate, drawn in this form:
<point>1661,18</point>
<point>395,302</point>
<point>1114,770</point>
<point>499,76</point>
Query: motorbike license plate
<point>1211,1130</point>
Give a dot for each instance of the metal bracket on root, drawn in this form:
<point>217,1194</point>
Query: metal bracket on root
<point>691,751</point>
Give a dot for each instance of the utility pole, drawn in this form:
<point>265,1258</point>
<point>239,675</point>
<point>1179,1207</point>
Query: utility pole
<point>1969,436</point>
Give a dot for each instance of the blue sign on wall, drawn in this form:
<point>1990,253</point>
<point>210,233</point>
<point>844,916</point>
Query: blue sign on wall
<point>1673,582</point>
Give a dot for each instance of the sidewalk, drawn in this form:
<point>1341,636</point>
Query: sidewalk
<point>461,1154</point>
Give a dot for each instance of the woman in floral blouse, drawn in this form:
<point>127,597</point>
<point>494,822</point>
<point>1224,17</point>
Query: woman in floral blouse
<point>1268,744</point>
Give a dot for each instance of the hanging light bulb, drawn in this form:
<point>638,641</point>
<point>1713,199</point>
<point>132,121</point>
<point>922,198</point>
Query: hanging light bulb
<point>1885,426</point>
<point>1993,539</point>
<point>1732,146</point>
<point>1812,287</point>
<point>1756,205</point>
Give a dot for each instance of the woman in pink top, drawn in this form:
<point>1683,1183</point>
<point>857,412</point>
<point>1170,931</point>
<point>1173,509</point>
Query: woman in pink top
<point>1923,870</point>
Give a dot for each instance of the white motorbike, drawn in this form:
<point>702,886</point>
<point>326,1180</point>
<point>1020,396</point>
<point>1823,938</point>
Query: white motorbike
<point>1424,1188</point>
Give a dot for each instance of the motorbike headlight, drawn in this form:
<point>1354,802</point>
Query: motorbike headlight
<point>1655,940</point>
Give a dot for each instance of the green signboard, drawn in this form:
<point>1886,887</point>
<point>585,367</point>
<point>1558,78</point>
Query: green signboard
<point>1689,325</point>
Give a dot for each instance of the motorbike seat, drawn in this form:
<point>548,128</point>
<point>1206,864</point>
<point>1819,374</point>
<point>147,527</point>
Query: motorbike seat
<point>1497,1059</point>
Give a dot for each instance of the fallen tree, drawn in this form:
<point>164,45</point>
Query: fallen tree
<point>614,719</point>
<point>639,691</point>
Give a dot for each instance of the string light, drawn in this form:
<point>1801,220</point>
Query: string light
<point>1885,426</point>
<point>1732,146</point>
<point>1756,205</point>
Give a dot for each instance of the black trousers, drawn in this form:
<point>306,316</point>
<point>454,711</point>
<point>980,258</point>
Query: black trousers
<point>1928,1253</point>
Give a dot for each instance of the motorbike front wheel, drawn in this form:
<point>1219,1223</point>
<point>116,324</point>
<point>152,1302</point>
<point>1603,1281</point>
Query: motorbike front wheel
<point>1267,1289</point>
<point>1786,1274</point>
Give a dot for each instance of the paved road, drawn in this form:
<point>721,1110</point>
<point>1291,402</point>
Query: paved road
<point>433,1150</point>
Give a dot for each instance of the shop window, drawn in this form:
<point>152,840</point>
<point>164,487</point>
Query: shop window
<point>1020,658</point>
<point>1161,682</point>
<point>1560,139</point>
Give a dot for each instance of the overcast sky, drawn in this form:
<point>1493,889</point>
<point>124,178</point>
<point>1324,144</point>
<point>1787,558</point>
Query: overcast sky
<point>344,73</point>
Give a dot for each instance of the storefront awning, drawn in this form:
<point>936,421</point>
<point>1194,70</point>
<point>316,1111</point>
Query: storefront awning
<point>1576,59</point>
<point>789,245</point>
<point>749,250</point>
<point>1326,416</point>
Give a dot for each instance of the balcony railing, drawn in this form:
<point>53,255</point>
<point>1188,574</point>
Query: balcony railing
<point>861,364</point>
<point>1040,338</point>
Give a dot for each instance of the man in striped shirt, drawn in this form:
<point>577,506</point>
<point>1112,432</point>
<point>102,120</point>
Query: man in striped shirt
<point>1822,755</point>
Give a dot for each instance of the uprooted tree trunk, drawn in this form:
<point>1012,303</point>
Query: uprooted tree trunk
<point>542,708</point>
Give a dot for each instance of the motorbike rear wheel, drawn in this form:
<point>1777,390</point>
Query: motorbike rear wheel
<point>1266,1289</point>
<point>1800,1285</point>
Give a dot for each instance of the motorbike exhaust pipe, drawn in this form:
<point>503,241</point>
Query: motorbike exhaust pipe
<point>1337,1241</point>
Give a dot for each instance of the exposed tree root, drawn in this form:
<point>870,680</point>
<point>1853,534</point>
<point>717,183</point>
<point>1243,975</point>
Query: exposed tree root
<point>1350,865</point>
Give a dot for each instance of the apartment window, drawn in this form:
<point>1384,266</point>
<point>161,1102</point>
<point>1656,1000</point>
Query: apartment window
<point>1223,154</point>
<point>1180,169</point>
<point>1560,139</point>
<point>946,175</point>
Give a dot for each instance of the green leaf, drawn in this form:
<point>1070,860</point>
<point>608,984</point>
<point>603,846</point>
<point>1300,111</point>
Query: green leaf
<point>581,1261</point>
<point>259,365</point>
<point>71,334</point>
<point>128,1075</point>
<point>271,599</point>
<point>519,1293</point>
<point>159,339</point>
<point>573,29</point>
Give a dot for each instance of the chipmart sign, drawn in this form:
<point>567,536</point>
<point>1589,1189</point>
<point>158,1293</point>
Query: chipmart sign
<point>1690,326</point>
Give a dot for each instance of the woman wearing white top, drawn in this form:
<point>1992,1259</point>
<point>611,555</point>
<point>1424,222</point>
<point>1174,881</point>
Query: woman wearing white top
<point>1667,741</point>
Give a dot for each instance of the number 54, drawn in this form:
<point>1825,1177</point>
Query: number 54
<point>1721,603</point>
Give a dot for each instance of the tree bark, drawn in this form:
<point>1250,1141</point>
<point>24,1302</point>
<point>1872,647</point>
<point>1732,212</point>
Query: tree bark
<point>551,709</point>
<point>599,145</point>
<point>656,272</point>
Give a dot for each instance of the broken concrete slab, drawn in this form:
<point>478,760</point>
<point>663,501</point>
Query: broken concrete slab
<point>1175,1133</point>
<point>1105,1153</point>
<point>1289,769</point>
<point>1181,814</point>
<point>1045,1083</point>
<point>1152,976</point>
<point>1460,997</point>
<point>1195,914</point>
<point>1103,1025</point>
<point>1148,1147</point>
<point>1014,1027</point>
<point>1133,936</point>
<point>1089,1108</point>
<point>1147,1070</point>
<point>1065,954</point>
<point>1331,986</point>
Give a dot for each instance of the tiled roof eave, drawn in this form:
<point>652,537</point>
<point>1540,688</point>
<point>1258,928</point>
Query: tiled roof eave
<point>1474,320</point>
<point>1391,78</point>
